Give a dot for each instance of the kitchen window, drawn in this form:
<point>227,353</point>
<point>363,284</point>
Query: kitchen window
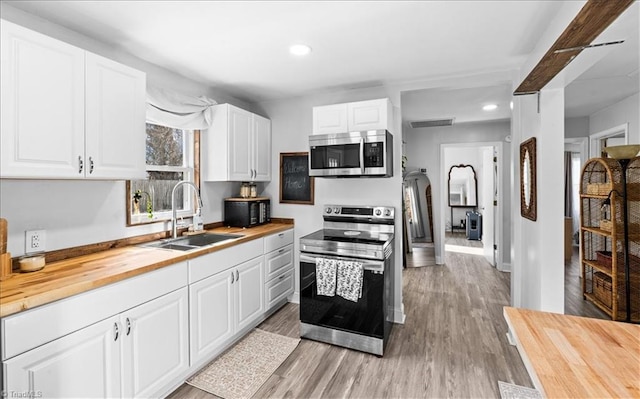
<point>171,158</point>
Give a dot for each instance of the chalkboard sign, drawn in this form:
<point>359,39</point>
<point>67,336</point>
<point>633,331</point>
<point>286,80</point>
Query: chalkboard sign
<point>296,186</point>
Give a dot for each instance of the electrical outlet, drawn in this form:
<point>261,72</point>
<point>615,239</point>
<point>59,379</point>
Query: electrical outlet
<point>35,241</point>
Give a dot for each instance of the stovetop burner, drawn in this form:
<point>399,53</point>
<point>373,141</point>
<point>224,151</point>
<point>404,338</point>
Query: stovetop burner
<point>363,232</point>
<point>348,236</point>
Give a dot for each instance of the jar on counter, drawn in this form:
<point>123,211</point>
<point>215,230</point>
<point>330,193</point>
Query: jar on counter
<point>245,191</point>
<point>253,190</point>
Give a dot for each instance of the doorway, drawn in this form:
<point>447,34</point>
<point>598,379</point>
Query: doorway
<point>618,135</point>
<point>486,158</point>
<point>418,219</point>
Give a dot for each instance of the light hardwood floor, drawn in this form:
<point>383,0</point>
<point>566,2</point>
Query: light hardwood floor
<point>453,344</point>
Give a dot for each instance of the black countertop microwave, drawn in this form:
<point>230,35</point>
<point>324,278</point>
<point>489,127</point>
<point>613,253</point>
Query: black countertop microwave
<point>355,154</point>
<point>247,212</point>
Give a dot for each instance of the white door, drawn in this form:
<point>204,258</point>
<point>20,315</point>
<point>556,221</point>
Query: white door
<point>211,310</point>
<point>155,344</point>
<point>42,105</point>
<point>115,120</point>
<point>249,287</point>
<point>84,364</point>
<point>488,206</point>
<point>262,148</point>
<point>240,129</point>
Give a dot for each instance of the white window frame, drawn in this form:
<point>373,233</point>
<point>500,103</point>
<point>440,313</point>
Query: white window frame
<point>188,170</point>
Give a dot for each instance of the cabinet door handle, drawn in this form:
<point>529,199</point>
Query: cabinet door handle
<point>281,277</point>
<point>281,251</point>
<point>232,277</point>
<point>128,326</point>
<point>116,331</point>
<point>237,276</point>
<point>90,165</point>
<point>281,235</point>
<point>80,164</point>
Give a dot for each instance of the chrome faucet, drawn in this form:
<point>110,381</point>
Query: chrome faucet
<point>174,217</point>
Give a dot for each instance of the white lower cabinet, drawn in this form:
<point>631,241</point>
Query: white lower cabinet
<point>155,344</point>
<point>223,305</point>
<point>279,271</point>
<point>85,364</point>
<point>128,355</point>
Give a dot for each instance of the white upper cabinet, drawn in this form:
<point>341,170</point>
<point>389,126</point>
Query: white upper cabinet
<point>330,119</point>
<point>42,105</point>
<point>353,117</point>
<point>67,113</point>
<point>115,119</point>
<point>237,146</point>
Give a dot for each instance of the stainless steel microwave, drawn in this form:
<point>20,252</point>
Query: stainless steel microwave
<point>355,154</point>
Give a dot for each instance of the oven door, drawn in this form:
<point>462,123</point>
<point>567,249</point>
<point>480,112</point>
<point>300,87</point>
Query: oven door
<point>366,316</point>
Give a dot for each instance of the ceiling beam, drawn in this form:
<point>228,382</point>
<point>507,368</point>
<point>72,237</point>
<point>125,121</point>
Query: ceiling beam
<point>591,21</point>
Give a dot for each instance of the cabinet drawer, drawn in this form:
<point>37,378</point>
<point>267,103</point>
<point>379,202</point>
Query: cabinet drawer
<point>278,288</point>
<point>31,328</point>
<point>279,240</point>
<point>215,262</point>
<point>278,261</point>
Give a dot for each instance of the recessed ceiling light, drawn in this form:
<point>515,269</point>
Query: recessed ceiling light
<point>299,49</point>
<point>490,107</point>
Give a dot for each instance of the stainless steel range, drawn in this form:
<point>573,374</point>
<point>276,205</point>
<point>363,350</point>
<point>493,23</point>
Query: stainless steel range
<point>346,278</point>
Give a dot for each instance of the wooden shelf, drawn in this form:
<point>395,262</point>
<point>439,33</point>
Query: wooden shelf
<point>599,303</point>
<point>594,196</point>
<point>599,267</point>
<point>597,230</point>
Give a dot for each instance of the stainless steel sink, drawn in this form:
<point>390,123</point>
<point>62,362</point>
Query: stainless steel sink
<point>193,242</point>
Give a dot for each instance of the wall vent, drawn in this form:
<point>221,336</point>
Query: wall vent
<point>432,123</point>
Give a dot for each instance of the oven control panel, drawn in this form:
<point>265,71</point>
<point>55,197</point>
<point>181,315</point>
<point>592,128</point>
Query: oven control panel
<point>360,212</point>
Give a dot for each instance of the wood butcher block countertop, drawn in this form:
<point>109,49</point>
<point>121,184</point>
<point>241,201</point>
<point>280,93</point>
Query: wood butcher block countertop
<point>73,276</point>
<point>577,357</point>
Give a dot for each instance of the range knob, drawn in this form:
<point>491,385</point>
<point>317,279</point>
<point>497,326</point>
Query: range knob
<point>387,212</point>
<point>336,210</point>
<point>378,212</point>
<point>328,210</point>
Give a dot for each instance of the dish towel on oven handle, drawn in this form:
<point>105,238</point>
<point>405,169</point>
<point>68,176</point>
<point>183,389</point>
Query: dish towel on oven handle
<point>326,276</point>
<point>350,276</point>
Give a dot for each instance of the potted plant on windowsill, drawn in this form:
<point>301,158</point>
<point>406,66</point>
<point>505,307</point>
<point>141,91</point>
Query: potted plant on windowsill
<point>137,196</point>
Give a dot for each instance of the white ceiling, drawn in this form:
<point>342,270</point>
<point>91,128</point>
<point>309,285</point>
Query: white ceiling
<point>242,47</point>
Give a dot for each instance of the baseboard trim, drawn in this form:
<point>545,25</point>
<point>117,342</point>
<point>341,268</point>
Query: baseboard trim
<point>506,267</point>
<point>295,298</point>
<point>439,260</point>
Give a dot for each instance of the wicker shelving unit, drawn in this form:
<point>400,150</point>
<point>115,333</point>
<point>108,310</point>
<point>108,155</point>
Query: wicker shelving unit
<point>610,236</point>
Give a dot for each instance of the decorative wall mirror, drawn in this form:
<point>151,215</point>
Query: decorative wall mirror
<point>463,186</point>
<point>528,194</point>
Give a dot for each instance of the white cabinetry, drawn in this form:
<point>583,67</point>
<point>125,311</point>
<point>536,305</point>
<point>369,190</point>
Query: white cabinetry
<point>353,117</point>
<point>237,146</point>
<point>83,364</point>
<point>228,302</point>
<point>67,113</point>
<point>140,349</point>
<point>155,344</point>
<point>279,270</point>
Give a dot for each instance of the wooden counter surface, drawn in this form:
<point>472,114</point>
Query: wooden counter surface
<point>73,276</point>
<point>577,357</point>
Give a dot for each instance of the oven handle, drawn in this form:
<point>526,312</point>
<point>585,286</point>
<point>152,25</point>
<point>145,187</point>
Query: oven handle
<point>374,266</point>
